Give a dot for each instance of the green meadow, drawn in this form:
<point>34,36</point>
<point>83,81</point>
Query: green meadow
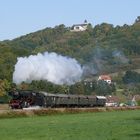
<point>116,125</point>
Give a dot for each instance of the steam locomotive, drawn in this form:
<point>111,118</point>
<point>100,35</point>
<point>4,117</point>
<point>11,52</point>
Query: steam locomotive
<point>24,99</point>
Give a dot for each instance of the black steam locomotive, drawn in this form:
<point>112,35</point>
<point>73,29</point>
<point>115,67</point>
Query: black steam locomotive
<point>25,99</point>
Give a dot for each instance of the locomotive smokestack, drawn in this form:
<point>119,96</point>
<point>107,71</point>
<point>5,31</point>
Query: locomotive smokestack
<point>48,66</point>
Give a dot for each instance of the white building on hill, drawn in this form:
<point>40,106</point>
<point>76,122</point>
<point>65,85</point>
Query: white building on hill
<point>79,27</point>
<point>105,78</point>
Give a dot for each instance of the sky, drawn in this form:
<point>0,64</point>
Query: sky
<point>20,17</point>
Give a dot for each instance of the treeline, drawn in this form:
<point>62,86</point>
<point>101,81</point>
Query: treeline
<point>129,82</point>
<point>80,88</point>
<point>103,47</point>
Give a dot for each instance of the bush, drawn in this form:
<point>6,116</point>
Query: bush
<point>4,99</point>
<point>138,102</point>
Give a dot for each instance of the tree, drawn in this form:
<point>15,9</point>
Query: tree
<point>103,88</point>
<point>137,19</point>
<point>131,77</point>
<point>4,87</point>
<point>78,88</point>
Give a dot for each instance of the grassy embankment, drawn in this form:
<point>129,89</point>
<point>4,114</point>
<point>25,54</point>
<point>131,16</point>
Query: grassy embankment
<point>116,125</point>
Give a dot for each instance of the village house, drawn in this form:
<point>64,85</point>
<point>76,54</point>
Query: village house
<point>79,27</point>
<point>112,100</point>
<point>105,78</point>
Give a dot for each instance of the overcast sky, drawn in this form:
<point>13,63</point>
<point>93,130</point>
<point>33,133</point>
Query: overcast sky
<point>19,17</point>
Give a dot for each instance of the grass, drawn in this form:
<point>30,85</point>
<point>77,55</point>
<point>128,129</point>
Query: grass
<point>116,125</point>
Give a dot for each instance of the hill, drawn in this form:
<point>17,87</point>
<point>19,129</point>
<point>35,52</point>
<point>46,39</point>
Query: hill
<point>102,48</point>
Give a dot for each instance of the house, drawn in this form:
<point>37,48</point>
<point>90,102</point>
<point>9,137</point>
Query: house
<point>79,27</point>
<point>112,100</point>
<point>105,78</point>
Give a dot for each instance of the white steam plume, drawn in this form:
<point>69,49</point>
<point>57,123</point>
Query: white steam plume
<point>48,66</point>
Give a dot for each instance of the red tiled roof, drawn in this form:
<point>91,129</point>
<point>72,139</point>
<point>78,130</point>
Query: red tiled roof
<point>105,77</point>
<point>112,98</point>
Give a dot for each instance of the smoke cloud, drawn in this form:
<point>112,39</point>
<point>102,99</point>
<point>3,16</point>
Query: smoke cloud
<point>121,57</point>
<point>48,66</point>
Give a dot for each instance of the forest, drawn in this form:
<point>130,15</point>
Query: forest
<point>104,47</point>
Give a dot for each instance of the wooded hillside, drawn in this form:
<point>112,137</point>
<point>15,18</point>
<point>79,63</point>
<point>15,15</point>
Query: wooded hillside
<point>104,47</point>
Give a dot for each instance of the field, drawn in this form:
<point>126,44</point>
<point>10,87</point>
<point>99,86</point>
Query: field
<point>115,125</point>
